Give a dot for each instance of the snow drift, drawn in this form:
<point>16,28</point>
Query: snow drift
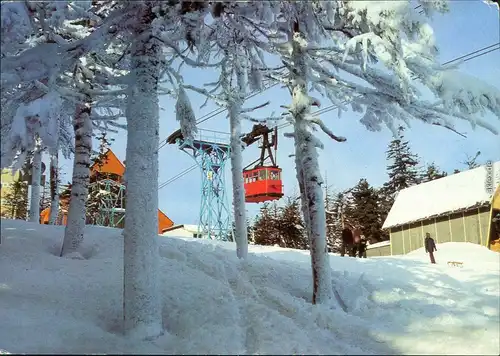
<point>214,304</point>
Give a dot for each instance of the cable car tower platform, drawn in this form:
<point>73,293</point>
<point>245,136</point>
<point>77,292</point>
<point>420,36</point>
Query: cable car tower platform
<point>210,150</point>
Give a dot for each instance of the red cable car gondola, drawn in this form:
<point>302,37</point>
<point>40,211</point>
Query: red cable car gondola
<point>262,182</point>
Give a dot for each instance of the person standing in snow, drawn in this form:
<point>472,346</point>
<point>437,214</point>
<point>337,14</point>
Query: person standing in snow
<point>362,247</point>
<point>430,246</point>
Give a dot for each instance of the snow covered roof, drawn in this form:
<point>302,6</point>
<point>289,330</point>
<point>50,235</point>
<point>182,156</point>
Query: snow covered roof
<point>455,192</point>
<point>187,227</point>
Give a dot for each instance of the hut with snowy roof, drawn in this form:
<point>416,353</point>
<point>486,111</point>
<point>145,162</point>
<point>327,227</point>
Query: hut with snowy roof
<point>462,207</point>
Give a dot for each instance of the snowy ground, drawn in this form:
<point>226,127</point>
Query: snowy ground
<point>214,305</point>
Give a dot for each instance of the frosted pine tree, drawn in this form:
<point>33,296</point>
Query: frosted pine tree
<point>54,184</point>
<point>36,178</point>
<point>390,48</point>
<point>239,72</point>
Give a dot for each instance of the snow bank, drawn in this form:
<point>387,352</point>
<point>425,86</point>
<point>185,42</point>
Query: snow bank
<point>214,304</point>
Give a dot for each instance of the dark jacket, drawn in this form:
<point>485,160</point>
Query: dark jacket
<point>429,244</point>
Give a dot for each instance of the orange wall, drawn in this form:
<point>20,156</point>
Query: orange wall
<point>163,221</point>
<point>111,164</point>
<point>45,217</point>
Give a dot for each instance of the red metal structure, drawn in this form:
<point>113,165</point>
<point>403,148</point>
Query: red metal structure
<point>263,181</point>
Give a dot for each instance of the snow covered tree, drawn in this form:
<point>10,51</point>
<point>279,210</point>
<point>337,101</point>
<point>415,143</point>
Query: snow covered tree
<point>54,188</point>
<point>389,47</point>
<point>336,207</point>
<point>237,38</point>
<point>36,178</point>
<point>97,192</point>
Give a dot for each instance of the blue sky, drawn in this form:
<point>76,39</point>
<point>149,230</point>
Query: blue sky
<point>469,26</point>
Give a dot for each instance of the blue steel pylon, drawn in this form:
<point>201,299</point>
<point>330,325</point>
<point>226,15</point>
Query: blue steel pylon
<point>211,151</point>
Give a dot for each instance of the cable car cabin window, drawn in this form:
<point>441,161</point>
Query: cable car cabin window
<point>263,174</point>
<point>274,175</point>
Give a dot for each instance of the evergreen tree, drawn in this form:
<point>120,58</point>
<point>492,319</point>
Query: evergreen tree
<point>330,217</point>
<point>335,214</point>
<point>282,226</point>
<point>402,171</point>
<point>291,225</point>
<point>97,189</point>
<point>432,172</point>
<point>45,196</point>
<point>265,231</point>
<point>16,200</point>
<point>365,210</point>
<point>250,231</point>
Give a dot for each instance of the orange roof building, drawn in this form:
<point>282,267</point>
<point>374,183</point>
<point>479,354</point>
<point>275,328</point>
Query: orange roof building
<point>110,167</point>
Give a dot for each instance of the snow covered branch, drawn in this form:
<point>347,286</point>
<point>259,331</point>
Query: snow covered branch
<point>326,130</point>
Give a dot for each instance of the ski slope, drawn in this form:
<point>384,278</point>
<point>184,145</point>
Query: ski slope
<point>213,304</point>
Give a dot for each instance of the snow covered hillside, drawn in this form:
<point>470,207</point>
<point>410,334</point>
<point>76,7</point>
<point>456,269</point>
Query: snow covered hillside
<point>213,304</point>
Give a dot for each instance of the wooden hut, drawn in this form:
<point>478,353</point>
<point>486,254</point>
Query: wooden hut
<point>458,208</point>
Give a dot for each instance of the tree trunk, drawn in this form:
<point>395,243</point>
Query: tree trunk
<point>141,302</point>
<point>36,177</point>
<point>241,233</point>
<point>54,187</point>
<point>73,233</point>
<point>308,174</point>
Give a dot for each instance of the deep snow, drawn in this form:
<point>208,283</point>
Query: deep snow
<point>214,304</point>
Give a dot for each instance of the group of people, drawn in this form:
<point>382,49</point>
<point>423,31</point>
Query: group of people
<point>353,241</point>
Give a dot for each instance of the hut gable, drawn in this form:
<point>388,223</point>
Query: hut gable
<point>110,164</point>
<point>164,222</point>
<point>454,193</point>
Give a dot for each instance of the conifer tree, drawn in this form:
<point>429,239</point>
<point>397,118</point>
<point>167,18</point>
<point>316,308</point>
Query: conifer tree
<point>97,192</point>
<point>336,211</point>
<point>432,172</point>
<point>291,225</point>
<point>365,210</point>
<point>16,200</point>
<point>402,171</point>
<point>265,231</point>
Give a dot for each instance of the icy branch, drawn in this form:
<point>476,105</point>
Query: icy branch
<point>255,107</point>
<point>326,130</point>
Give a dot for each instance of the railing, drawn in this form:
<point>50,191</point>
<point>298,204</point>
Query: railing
<point>217,137</point>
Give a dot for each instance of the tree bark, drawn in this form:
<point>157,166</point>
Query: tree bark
<point>309,177</point>
<point>141,299</point>
<point>54,186</point>
<point>73,233</point>
<point>240,221</point>
<point>36,177</point>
